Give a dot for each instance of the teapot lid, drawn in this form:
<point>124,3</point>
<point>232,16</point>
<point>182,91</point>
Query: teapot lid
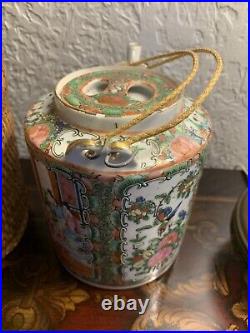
<point>103,98</point>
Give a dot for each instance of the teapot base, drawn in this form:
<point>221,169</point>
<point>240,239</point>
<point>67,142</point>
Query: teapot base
<point>127,287</point>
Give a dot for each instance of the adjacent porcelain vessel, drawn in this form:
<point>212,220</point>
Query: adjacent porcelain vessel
<point>115,224</point>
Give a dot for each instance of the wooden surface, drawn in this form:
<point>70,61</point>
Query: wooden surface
<point>204,290</point>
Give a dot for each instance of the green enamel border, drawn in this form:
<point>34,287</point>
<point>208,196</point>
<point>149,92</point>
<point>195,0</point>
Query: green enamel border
<point>71,91</point>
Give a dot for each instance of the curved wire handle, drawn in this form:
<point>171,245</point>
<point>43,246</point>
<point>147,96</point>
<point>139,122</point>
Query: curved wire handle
<point>170,98</point>
<point>96,146</point>
<point>196,103</point>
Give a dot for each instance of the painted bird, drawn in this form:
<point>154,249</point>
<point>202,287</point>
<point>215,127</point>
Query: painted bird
<point>167,218</point>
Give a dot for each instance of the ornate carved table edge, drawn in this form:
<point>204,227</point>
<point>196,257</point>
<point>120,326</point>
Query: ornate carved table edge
<point>206,289</point>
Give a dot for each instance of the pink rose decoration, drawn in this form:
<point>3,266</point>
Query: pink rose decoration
<point>159,256</point>
<point>168,240</point>
<point>38,134</point>
<point>182,147</point>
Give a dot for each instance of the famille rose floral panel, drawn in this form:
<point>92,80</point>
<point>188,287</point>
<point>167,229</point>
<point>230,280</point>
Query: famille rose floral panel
<point>154,215</point>
<point>117,233</point>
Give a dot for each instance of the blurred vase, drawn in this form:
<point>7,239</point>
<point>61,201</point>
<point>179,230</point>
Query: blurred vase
<point>239,226</point>
<point>14,203</point>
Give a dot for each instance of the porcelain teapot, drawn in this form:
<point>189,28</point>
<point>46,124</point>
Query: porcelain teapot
<point>118,153</point>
